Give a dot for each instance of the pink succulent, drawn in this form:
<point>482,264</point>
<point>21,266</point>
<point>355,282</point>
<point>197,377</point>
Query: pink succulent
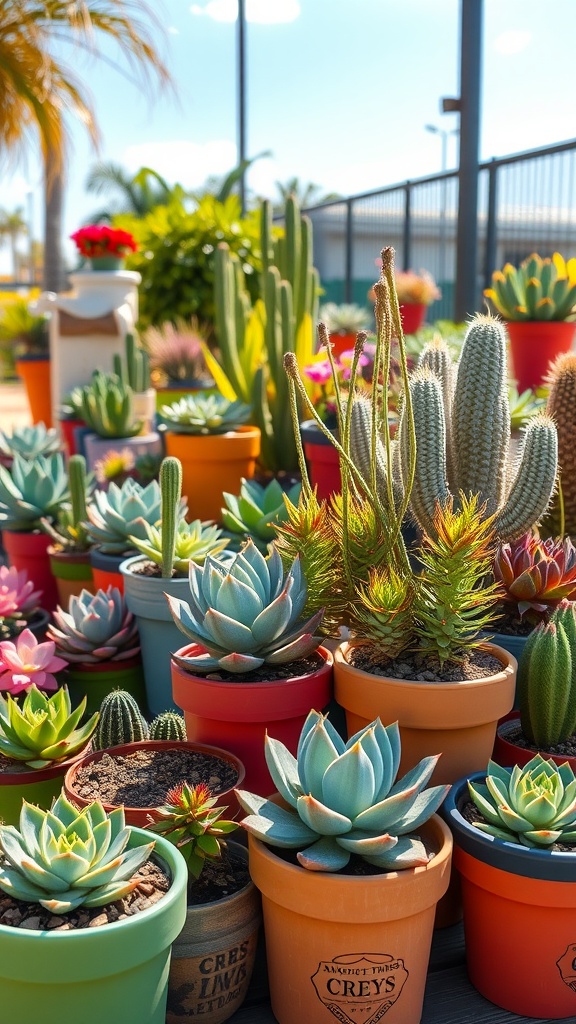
<point>17,594</point>
<point>536,574</point>
<point>26,661</point>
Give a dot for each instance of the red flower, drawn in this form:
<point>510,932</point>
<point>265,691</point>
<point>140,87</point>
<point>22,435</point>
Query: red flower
<point>102,240</point>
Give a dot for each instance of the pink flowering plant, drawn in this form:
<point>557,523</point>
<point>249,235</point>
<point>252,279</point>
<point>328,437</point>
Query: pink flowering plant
<point>25,662</point>
<point>18,600</point>
<point>101,240</point>
<point>320,374</point>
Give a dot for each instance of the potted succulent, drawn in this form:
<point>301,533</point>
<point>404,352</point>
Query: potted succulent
<point>343,323</point>
<point>89,904</point>
<point>176,360</point>
<point>213,957</point>
<point>415,293</point>
<point>352,938</point>
<point>515,849</point>
<point>72,426</point>
<point>134,371</point>
<point>20,605</point>
<point>128,768</point>
<point>39,739</point>
<point>256,511</point>
<point>30,491</point>
<point>70,551</point>
<point>104,247</point>
<point>28,442</point>
<point>208,434</point>
<point>537,300</point>
<point>108,410</point>
<point>253,659</point>
<point>98,636</point>
<point>27,334</point>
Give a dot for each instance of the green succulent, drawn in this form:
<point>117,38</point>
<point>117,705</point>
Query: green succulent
<point>97,627</point>
<point>193,542</point>
<point>31,490</point>
<point>205,414</point>
<point>539,289</point>
<point>343,799</point>
<point>108,406</point>
<point>66,858</point>
<point>245,613</point>
<point>523,406</point>
<point>122,512</point>
<point>71,532</point>
<point>256,510</point>
<point>532,806</point>
<point>30,441</point>
<point>44,729</point>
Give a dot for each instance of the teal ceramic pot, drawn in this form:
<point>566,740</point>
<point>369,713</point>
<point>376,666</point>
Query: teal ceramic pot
<point>159,635</point>
<point>115,973</point>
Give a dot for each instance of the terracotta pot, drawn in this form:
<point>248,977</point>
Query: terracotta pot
<point>413,315</point>
<point>350,948</point>
<point>534,344</point>
<point>507,753</point>
<point>237,715</point>
<point>29,551</point>
<point>35,372</point>
<point>212,464</point>
<point>513,898</point>
<point>323,460</point>
<point>36,785</point>
<point>106,570</point>
<point>139,815</point>
<point>457,720</point>
<point>96,681</point>
<point>72,572</point>
<point>213,957</point>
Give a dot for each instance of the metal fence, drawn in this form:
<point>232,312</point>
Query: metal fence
<point>527,203</point>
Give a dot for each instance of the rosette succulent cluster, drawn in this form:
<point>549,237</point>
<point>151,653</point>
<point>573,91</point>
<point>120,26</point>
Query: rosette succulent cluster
<point>535,574</point>
<point>123,512</point>
<point>32,489</point>
<point>97,627</point>
<point>533,806</point>
<point>256,511</point>
<point>193,542</point>
<point>24,661</point>
<point>30,441</point>
<point>44,729</point>
<point>66,858</point>
<point>205,414</point>
<point>18,600</point>
<point>191,821</point>
<point>344,799</point>
<point>245,613</point>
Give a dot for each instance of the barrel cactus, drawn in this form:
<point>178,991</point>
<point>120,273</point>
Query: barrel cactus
<point>245,613</point>
<point>168,726</point>
<point>121,721</point>
<point>344,799</point>
<point>97,627</point>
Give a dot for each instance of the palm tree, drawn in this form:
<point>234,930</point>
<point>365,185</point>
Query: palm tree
<point>39,90</point>
<point>12,225</point>
<point>134,194</point>
<point>307,193</point>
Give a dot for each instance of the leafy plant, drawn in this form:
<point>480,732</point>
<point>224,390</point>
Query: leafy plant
<point>45,729</point>
<point>175,351</point>
<point>108,406</point>
<point>535,575</point>
<point>193,542</point>
<point>539,289</point>
<point>191,821</point>
<point>346,318</point>
<point>344,799</point>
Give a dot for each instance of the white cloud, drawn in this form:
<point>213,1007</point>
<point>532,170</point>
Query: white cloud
<point>173,30</point>
<point>263,12</point>
<point>513,41</point>
<point>188,163</point>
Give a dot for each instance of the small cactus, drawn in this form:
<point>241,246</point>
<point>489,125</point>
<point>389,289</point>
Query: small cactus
<point>168,726</point>
<point>136,370</point>
<point>547,680</point>
<point>120,721</point>
<point>562,408</point>
<point>170,491</point>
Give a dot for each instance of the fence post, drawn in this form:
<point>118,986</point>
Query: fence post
<point>467,231</point>
<point>407,232</point>
<point>491,235</point>
<point>348,268</point>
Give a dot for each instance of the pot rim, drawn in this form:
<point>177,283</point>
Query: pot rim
<point>507,660</point>
<point>326,663</point>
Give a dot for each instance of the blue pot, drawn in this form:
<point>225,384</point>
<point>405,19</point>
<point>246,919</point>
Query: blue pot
<point>159,635</point>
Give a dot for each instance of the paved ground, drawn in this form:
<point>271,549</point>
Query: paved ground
<point>14,411</point>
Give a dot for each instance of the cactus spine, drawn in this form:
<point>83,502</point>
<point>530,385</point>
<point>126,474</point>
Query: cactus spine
<point>170,491</point>
<point>547,680</point>
<point>473,457</point>
<point>120,721</point>
<point>136,370</point>
<point>562,408</point>
<point>168,726</point>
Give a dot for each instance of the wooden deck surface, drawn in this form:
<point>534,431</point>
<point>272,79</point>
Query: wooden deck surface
<point>450,998</point>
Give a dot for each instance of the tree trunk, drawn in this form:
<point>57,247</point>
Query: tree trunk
<point>54,279</point>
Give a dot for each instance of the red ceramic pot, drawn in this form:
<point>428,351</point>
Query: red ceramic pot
<point>342,343</point>
<point>323,461</point>
<point>29,551</point>
<point>413,315</point>
<point>138,816</point>
<point>68,430</point>
<point>237,715</point>
<point>534,344</point>
<point>507,753</point>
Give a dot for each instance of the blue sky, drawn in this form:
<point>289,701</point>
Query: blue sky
<point>338,90</point>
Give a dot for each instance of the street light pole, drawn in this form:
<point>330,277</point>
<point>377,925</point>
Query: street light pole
<point>443,133</point>
<point>241,136</point>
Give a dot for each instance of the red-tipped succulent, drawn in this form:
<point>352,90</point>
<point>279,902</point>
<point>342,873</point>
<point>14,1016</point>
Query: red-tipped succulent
<point>536,574</point>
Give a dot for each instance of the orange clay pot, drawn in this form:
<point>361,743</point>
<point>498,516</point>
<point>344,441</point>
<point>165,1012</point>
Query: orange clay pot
<point>457,720</point>
<point>349,948</point>
<point>35,372</point>
<point>72,572</point>
<point>211,464</point>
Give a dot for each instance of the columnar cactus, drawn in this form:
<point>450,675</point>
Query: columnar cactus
<point>170,492</point>
<point>71,534</point>
<point>168,726</point>
<point>561,407</point>
<point>120,721</point>
<point>136,370</point>
<point>547,679</point>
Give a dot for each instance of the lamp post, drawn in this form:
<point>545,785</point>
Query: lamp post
<point>444,133</point>
<point>241,135</point>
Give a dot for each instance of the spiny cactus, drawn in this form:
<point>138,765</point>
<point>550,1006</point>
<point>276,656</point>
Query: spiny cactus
<point>136,370</point>
<point>168,726</point>
<point>71,534</point>
<point>120,721</point>
<point>473,457</point>
<point>170,492</point>
<point>547,680</point>
<point>561,406</point>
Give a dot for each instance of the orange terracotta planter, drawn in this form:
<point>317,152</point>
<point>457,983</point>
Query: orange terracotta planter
<point>36,376</point>
<point>534,344</point>
<point>212,464</point>
<point>457,720</point>
<point>349,948</point>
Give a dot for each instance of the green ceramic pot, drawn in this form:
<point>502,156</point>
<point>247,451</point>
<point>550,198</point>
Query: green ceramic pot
<point>115,973</point>
<point>96,681</point>
<point>37,786</point>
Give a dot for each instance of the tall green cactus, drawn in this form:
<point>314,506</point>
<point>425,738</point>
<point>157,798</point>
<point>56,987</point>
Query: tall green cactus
<point>70,533</point>
<point>254,339</point>
<point>78,485</point>
<point>547,680</point>
<point>170,491</point>
<point>463,438</point>
<point>136,370</point>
